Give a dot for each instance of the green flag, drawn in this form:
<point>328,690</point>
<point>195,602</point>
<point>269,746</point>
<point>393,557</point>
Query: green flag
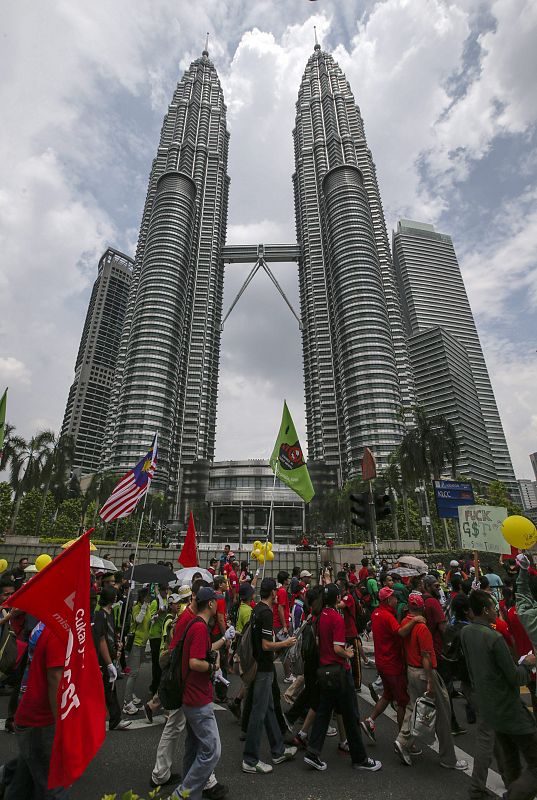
<point>287,460</point>
<point>3,404</point>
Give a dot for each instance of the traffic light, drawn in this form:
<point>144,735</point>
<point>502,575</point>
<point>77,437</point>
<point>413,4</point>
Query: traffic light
<point>383,507</point>
<point>358,503</point>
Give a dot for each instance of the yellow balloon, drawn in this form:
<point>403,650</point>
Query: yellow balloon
<point>257,545</point>
<point>256,553</point>
<point>270,556</point>
<point>519,532</point>
<point>269,545</point>
<point>3,565</point>
<point>260,558</point>
<point>42,561</point>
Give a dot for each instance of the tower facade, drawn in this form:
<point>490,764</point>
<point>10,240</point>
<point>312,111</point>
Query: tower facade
<point>167,372</point>
<point>89,396</point>
<point>356,366</point>
<point>433,294</point>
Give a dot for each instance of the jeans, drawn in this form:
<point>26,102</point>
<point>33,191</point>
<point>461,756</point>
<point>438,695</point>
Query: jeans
<point>276,699</point>
<point>167,746</point>
<point>417,686</point>
<point>202,751</point>
<point>262,713</point>
<point>521,783</point>
<point>156,671</point>
<point>136,656</point>
<point>31,776</point>
<point>345,704</point>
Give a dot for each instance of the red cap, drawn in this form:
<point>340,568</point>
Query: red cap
<point>385,592</point>
<point>415,599</point>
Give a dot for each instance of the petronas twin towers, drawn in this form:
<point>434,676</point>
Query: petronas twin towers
<point>356,367</point>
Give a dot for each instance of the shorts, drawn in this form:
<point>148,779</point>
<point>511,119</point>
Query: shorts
<point>395,688</point>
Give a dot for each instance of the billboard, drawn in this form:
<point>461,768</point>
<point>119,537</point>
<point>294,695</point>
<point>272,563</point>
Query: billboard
<point>449,495</point>
<point>481,529</point>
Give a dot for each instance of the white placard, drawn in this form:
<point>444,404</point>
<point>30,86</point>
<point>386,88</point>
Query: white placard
<point>481,529</point>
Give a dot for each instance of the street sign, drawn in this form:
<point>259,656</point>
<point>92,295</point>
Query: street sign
<point>449,495</point>
<point>481,529</point>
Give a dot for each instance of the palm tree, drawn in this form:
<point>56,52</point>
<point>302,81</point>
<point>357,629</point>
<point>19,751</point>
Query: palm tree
<point>8,447</point>
<point>26,465</point>
<point>55,472</point>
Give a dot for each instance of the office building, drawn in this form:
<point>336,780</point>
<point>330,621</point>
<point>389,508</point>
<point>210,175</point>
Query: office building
<point>528,493</point>
<point>89,396</point>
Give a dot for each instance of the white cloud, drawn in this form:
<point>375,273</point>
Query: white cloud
<point>13,371</point>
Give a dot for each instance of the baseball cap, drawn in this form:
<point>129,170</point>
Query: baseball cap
<point>173,598</point>
<point>385,592</point>
<point>415,599</point>
<point>453,563</point>
<point>305,574</point>
<point>246,591</point>
<point>205,594</point>
<point>184,591</point>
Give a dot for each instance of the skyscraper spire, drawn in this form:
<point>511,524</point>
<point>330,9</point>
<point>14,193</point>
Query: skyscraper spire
<point>317,45</point>
<point>206,51</point>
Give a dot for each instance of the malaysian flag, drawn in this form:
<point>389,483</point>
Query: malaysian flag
<point>131,487</point>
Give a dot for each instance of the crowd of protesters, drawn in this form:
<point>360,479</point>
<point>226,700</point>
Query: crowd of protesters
<point>446,633</point>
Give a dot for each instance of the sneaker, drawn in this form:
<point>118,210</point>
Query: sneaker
<point>369,764</point>
<point>174,778</point>
<point>288,754</point>
<point>416,750</point>
<point>402,753</point>
<point>458,731</point>
<point>368,662</point>
<point>331,731</point>
<point>130,709</point>
<point>314,761</point>
<point>148,713</point>
<point>136,700</point>
<point>290,679</point>
<point>343,747</point>
<point>461,764</point>
<point>368,727</point>
<point>122,725</point>
<point>216,792</point>
<point>260,767</point>
<point>373,692</point>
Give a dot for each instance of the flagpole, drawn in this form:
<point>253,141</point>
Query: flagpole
<point>132,569</point>
<point>271,512</point>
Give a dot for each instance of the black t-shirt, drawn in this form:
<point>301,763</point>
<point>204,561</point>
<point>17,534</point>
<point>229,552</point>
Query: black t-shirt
<point>104,625</point>
<point>263,617</point>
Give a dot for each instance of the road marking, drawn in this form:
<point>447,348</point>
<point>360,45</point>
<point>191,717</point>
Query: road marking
<point>494,780</point>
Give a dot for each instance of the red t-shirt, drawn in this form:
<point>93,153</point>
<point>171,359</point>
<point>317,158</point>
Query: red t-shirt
<point>419,641</point>
<point>523,644</point>
<point>233,581</point>
<point>388,643</point>
<point>435,617</point>
<point>349,616</point>
<point>220,609</point>
<point>180,626</point>
<point>352,577</point>
<point>282,599</point>
<point>34,709</point>
<point>503,628</point>
<point>331,631</point>
<point>363,575</point>
<point>198,687</point>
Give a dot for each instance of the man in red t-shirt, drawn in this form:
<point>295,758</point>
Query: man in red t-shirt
<point>336,688</point>
<point>35,718</point>
<point>434,614</point>
<point>352,574</point>
<point>364,572</point>
<point>281,616</point>
<point>347,607</point>
<point>199,668</point>
<point>424,679</point>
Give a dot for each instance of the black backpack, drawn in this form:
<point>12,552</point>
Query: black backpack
<point>452,655</point>
<point>172,684</point>
<point>309,642</point>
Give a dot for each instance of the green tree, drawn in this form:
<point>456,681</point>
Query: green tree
<point>69,518</point>
<point>55,473</point>
<point>29,508</point>
<point>26,461</point>
<point>5,505</point>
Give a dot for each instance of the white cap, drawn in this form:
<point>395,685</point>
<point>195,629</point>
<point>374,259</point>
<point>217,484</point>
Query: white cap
<point>453,563</point>
<point>184,592</point>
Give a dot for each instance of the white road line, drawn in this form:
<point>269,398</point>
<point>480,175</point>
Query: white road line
<point>494,781</point>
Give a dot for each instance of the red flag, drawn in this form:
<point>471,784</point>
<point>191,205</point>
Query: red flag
<point>59,597</point>
<point>189,553</point>
<point>369,466</point>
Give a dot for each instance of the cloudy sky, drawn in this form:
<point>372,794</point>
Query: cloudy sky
<point>447,92</point>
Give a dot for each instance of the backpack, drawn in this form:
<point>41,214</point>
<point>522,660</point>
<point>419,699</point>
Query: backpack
<point>309,646</point>
<point>172,683</point>
<point>452,654</point>
<point>245,652</point>
<point>8,650</point>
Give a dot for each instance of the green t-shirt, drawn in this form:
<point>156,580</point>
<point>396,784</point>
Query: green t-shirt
<point>167,631</point>
<point>245,612</point>
<point>373,588</point>
<point>155,632</point>
<point>141,629</point>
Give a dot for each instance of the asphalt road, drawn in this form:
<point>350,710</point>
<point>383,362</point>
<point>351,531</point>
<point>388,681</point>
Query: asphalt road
<point>126,759</point>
